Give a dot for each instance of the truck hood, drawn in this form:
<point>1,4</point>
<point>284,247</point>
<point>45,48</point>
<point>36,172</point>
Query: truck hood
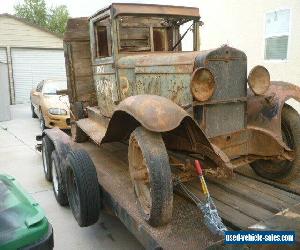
<point>158,59</point>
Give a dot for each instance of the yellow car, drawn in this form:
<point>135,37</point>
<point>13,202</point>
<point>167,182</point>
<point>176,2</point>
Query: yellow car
<point>51,108</point>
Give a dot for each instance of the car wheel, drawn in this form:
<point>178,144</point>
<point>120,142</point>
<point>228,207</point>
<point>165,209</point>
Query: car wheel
<point>151,176</point>
<point>33,114</point>
<point>283,171</point>
<point>47,148</point>
<point>58,181</point>
<point>82,188</point>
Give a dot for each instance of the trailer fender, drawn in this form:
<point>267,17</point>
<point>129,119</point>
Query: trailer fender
<point>61,142</point>
<point>159,114</point>
<point>264,112</point>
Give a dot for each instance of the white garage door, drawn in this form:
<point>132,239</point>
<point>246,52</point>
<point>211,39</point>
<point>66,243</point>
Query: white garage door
<point>30,66</point>
<point>3,57</point>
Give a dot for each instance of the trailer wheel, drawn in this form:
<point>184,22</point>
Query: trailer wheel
<point>151,176</point>
<point>283,171</point>
<point>82,188</point>
<point>78,135</point>
<point>47,148</point>
<point>58,181</point>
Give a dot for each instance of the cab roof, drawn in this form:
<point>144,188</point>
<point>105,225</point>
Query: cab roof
<point>149,9</point>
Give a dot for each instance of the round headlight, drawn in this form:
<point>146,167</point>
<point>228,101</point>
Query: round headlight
<point>259,80</point>
<point>202,84</point>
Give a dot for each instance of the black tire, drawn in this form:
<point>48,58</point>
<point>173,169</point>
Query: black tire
<point>154,190</point>
<point>58,180</point>
<point>283,171</point>
<point>78,135</point>
<point>82,188</point>
<point>42,123</point>
<point>47,148</point>
<point>33,114</point>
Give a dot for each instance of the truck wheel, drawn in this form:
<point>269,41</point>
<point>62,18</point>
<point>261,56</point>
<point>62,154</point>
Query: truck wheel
<point>283,171</point>
<point>47,148</point>
<point>151,176</point>
<point>58,181</point>
<point>77,133</point>
<point>33,114</point>
<point>82,188</point>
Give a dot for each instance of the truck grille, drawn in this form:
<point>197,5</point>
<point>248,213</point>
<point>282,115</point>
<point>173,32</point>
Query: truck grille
<point>226,110</point>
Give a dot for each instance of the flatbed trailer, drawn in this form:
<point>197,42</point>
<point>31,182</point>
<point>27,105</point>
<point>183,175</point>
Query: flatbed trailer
<point>245,203</point>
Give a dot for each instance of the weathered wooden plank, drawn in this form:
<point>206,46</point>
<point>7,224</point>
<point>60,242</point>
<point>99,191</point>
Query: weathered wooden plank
<point>236,203</point>
<point>292,187</point>
<point>255,193</point>
<point>77,29</point>
<point>231,216</point>
<point>288,220</point>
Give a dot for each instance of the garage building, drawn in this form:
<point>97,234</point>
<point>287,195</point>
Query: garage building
<point>32,54</point>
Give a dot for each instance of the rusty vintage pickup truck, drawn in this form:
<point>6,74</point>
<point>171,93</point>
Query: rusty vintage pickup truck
<point>130,80</point>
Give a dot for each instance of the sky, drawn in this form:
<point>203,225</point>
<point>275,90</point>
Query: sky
<point>79,8</point>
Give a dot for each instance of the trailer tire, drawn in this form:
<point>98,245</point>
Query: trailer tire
<point>284,171</point>
<point>47,148</point>
<point>58,180</point>
<point>151,176</point>
<point>82,188</point>
<point>78,135</point>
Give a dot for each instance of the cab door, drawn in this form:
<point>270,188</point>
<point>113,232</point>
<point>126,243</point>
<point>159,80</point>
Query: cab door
<point>104,72</point>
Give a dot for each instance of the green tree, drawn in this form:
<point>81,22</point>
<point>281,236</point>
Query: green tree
<point>59,17</point>
<point>36,12</point>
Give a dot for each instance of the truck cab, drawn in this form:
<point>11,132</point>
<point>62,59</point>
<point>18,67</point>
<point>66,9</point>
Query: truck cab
<point>138,51</point>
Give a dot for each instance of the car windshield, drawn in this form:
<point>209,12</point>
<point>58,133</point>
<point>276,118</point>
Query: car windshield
<point>50,88</point>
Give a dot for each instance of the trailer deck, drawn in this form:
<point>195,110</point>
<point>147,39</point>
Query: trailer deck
<point>245,202</point>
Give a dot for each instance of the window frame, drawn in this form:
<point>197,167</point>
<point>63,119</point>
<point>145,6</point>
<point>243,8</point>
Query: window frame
<point>93,21</point>
<point>195,32</point>
<point>289,33</point>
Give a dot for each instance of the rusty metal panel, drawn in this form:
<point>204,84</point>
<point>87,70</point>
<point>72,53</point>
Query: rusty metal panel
<point>152,9</point>
<point>106,88</point>
<point>229,67</point>
<point>224,118</point>
<point>175,87</point>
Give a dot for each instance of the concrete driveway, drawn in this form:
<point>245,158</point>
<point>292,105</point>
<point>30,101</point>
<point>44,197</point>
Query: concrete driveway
<point>19,159</point>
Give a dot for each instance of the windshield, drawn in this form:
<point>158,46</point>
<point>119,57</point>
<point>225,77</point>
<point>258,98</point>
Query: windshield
<point>51,87</point>
<point>155,34</point>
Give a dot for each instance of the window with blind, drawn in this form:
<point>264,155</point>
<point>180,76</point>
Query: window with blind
<point>277,34</point>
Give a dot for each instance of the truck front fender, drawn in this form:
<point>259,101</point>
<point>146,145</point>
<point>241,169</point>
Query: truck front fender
<point>155,113</point>
<point>159,114</point>
<point>265,111</point>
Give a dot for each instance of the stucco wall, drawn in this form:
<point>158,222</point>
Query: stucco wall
<point>241,24</point>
